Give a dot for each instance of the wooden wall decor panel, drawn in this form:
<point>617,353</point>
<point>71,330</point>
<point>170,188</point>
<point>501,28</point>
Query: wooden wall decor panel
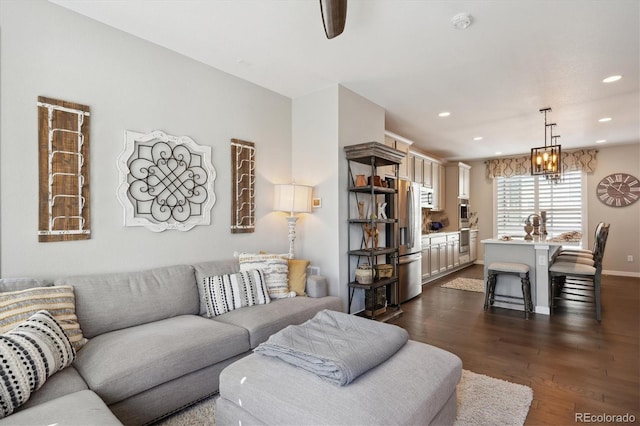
<point>63,166</point>
<point>243,176</point>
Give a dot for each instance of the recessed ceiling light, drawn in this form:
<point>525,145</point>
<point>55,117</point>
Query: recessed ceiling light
<point>612,78</point>
<point>605,119</point>
<point>444,114</point>
<point>477,138</point>
<point>601,141</point>
<point>499,153</point>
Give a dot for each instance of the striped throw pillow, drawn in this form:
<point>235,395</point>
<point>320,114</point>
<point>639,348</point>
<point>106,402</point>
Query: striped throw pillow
<point>31,353</point>
<point>59,301</point>
<point>275,269</point>
<point>224,293</point>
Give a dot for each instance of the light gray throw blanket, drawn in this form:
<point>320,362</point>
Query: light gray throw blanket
<point>335,346</point>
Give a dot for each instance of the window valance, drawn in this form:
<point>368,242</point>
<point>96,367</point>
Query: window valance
<point>575,160</point>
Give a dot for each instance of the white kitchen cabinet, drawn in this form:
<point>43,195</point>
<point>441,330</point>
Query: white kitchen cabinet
<point>453,251</point>
<point>473,245</point>
<point>426,259</point>
<point>464,184</point>
<point>427,178</point>
<point>418,163</point>
<point>438,185</point>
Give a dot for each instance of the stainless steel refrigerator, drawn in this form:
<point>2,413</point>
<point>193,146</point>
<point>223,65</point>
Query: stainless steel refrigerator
<point>410,249</point>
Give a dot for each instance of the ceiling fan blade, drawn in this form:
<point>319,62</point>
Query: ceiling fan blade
<point>334,16</point>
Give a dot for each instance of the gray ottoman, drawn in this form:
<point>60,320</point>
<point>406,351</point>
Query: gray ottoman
<point>417,385</point>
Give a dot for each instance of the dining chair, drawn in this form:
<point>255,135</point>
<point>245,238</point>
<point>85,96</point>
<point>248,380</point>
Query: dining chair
<point>571,280</point>
<point>583,252</point>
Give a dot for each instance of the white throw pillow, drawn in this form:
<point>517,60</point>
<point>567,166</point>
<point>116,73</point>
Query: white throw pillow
<point>30,354</point>
<point>224,293</point>
<point>275,269</point>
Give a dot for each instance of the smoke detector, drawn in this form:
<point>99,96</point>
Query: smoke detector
<point>461,21</point>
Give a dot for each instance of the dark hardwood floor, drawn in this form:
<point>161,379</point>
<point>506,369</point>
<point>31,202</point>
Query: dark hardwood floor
<point>572,363</point>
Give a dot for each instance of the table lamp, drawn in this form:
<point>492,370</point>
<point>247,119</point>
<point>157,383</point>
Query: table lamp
<point>292,198</point>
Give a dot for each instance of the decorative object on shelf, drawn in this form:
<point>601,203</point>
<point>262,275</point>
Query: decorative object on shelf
<point>375,302</point>
<point>381,213</point>
<point>364,274</point>
<point>547,160</point>
<point>361,180</point>
<point>618,190</point>
<point>292,198</point>
<point>375,180</point>
<point>384,270</point>
<point>334,16</point>
<point>243,177</point>
<point>166,182</point>
<point>371,232</point>
<point>63,165</point>
<point>362,211</point>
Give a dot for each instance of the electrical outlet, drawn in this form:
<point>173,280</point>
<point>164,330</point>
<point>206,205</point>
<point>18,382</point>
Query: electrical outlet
<point>629,258</point>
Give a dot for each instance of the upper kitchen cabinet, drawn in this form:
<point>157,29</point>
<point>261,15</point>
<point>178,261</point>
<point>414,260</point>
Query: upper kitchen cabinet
<point>401,144</point>
<point>438,185</point>
<point>420,167</point>
<point>464,175</point>
<point>458,179</point>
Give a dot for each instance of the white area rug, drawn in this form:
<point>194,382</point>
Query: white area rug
<point>482,400</point>
<point>468,284</point>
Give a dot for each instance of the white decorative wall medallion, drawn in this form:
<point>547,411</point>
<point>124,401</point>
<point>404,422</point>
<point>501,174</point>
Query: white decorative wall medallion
<point>166,182</point>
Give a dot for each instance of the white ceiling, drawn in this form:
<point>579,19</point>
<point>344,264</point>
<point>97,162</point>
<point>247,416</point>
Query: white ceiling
<point>517,57</point>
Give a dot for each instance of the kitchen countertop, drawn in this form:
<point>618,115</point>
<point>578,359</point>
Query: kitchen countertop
<point>537,239</point>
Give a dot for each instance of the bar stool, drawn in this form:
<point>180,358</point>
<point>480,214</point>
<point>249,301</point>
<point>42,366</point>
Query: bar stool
<point>519,269</point>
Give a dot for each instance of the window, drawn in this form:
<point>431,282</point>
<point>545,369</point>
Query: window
<point>519,196</point>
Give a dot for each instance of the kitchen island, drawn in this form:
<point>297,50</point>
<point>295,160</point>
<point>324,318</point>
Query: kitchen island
<point>538,254</point>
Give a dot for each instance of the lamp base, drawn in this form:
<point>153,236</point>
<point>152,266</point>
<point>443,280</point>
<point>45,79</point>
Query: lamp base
<point>291,221</point>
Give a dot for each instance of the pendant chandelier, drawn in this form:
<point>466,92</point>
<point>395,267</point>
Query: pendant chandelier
<point>547,160</point>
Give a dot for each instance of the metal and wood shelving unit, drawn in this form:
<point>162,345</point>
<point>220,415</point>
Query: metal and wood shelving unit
<point>366,249</point>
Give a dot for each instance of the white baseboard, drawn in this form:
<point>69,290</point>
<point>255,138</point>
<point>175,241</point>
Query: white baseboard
<point>622,273</point>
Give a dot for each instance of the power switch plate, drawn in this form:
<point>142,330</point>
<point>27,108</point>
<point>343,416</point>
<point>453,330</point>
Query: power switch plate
<point>542,260</point>
<point>629,258</point>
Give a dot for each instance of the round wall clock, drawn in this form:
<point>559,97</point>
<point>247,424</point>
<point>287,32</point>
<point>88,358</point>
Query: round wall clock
<point>618,190</point>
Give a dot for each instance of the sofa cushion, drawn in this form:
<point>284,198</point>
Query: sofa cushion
<point>78,408</point>
<point>224,293</point>
<point>107,302</point>
<point>125,362</point>
<point>209,269</point>
<point>275,269</point>
<point>17,284</point>
<point>30,354</point>
<point>264,320</point>
<point>59,301</point>
<point>60,384</point>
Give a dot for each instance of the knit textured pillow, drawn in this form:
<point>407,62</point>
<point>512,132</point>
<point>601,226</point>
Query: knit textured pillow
<point>224,293</point>
<point>30,354</point>
<point>275,269</point>
<point>59,301</point>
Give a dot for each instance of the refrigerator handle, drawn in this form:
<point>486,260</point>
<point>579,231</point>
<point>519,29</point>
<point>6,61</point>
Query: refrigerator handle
<point>410,213</point>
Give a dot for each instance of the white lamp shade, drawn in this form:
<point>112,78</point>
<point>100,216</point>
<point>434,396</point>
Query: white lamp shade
<point>292,198</point>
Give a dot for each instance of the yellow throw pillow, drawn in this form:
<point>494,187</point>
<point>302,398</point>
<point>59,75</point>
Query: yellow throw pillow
<point>298,276</point>
<point>17,306</point>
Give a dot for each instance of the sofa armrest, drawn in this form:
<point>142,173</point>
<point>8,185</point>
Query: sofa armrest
<point>317,286</point>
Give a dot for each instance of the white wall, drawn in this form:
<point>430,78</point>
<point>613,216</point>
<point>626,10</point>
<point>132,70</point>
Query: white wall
<point>129,84</point>
<point>315,162</point>
<point>624,234</point>
<point>324,122</point>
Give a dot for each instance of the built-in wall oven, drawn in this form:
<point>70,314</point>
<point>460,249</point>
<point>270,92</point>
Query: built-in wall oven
<point>464,213</point>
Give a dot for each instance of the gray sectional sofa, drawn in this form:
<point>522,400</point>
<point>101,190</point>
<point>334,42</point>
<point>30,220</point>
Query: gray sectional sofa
<point>150,351</point>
